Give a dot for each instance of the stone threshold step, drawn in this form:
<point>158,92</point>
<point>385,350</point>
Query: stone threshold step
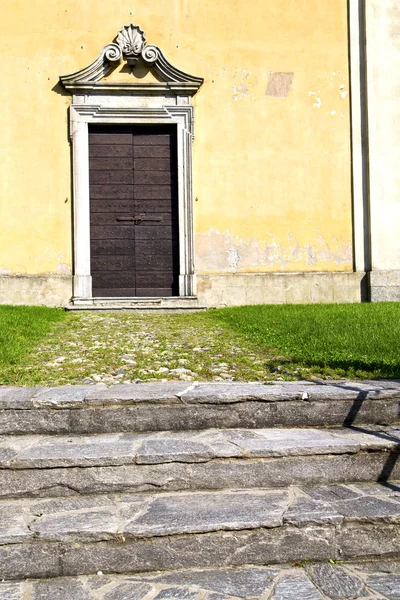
<point>148,532</point>
<point>178,406</point>
<point>211,459</point>
<point>313,581</point>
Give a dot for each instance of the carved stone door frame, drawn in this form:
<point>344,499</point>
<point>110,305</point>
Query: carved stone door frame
<point>165,102</point>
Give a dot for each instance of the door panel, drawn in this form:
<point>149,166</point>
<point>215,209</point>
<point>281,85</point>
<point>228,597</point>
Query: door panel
<point>133,211</point>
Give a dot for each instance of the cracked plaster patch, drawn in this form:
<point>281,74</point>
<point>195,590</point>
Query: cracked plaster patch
<point>229,253</point>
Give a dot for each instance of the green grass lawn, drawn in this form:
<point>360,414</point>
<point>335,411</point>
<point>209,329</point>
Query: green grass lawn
<point>22,328</point>
<point>347,340</point>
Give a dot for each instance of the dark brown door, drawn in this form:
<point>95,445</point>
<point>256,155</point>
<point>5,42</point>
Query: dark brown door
<point>133,211</point>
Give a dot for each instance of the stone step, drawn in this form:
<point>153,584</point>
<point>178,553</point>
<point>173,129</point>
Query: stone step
<point>314,581</point>
<point>183,406</point>
<point>195,460</point>
<point>149,532</point>
<point>179,304</point>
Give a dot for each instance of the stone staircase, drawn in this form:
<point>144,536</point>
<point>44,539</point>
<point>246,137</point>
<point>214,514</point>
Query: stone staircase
<point>202,491</point>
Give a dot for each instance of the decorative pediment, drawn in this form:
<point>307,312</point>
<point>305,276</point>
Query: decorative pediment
<point>130,45</point>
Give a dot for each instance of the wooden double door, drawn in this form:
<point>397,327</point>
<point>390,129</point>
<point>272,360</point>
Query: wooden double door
<point>133,211</point>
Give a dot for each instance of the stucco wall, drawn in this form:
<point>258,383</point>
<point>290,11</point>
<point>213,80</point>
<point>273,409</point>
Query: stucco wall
<point>272,141</point>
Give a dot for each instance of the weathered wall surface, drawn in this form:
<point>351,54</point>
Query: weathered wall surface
<point>383,70</point>
<point>272,142</point>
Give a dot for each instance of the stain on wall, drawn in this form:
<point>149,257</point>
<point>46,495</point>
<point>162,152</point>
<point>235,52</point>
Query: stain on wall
<point>279,85</point>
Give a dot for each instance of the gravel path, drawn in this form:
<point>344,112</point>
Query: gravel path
<point>125,348</point>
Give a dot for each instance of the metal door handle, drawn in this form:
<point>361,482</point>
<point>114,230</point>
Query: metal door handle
<point>138,220</point>
<point>149,218</point>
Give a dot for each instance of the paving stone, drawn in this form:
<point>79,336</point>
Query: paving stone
<point>138,392</point>
<point>13,523</point>
<point>205,512</point>
<point>335,582</point>
<point>172,450</point>
<point>128,591</point>
<point>60,589</point>
<point>300,442</point>
<point>237,392</point>
<point>359,540</point>
<point>178,593</point>
<point>29,560</point>
<point>303,510</point>
<point>331,493</point>
<point>10,591</point>
<point>65,451</point>
<point>23,422</point>
<point>243,581</point>
<point>71,396</point>
<point>367,507</point>
<point>18,397</point>
<point>388,585</point>
<point>377,566</point>
<point>295,587</point>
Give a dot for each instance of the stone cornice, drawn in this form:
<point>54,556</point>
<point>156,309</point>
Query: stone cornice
<point>130,45</point>
<point>138,88</point>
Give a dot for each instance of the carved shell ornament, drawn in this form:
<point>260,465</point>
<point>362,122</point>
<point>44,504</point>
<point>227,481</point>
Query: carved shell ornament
<point>130,44</point>
<point>131,39</point>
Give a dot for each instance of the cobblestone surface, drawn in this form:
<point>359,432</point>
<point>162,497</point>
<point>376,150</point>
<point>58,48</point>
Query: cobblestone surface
<point>328,581</point>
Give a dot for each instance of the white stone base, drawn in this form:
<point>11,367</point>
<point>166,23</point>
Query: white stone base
<point>225,289</point>
<point>35,290</point>
<point>385,286</point>
<point>280,288</point>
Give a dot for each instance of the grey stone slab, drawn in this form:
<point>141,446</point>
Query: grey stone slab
<point>377,489</point>
<point>172,450</point>
<point>64,451</point>
<point>294,442</point>
<point>178,593</point>
<point>132,590</point>
<point>203,512</point>
<point>387,585</point>
<point>295,586</point>
<point>11,446</point>
<point>303,510</point>
<point>64,396</point>
<point>335,582</point>
<point>97,524</point>
<point>23,422</point>
<point>138,392</point>
<point>245,582</point>
<point>13,523</point>
<point>216,549</point>
<point>389,565</point>
<point>212,475</point>
<point>10,591</point>
<point>230,393</point>
<point>17,397</point>
<point>331,493</point>
<point>372,440</point>
<point>306,391</point>
<point>369,508</point>
<point>359,540</point>
<point>60,589</point>
<point>87,518</point>
<point>19,561</point>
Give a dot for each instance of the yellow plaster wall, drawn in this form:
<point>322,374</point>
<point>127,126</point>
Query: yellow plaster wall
<point>271,174</point>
